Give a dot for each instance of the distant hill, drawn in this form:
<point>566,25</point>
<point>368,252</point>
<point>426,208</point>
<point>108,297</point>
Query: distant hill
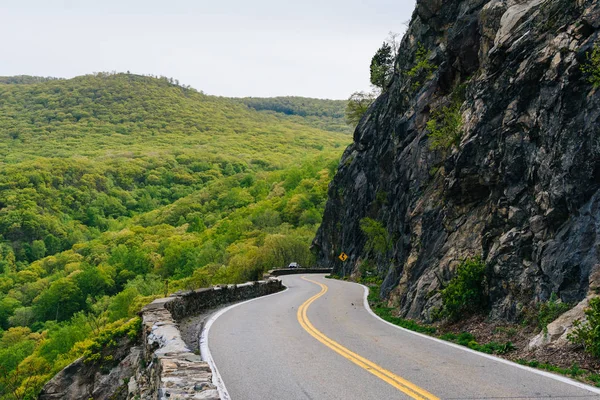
<point>323,114</point>
<point>24,79</point>
<point>112,184</point>
<point>125,112</point>
<point>100,147</point>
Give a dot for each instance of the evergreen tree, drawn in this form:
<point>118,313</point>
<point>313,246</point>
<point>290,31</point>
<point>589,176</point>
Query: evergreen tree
<point>382,66</point>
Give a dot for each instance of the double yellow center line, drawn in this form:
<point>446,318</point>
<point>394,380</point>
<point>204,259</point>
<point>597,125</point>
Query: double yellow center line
<point>396,381</point>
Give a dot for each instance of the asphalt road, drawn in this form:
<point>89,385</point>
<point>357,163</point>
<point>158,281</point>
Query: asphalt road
<point>316,340</point>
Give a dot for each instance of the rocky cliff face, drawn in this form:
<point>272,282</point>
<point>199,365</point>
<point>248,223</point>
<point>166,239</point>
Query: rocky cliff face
<point>81,380</point>
<point>521,186</point>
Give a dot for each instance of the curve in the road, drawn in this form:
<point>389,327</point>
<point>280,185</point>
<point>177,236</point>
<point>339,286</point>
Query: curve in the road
<point>205,350</point>
<point>396,381</point>
<point>546,374</point>
<point>264,353</point>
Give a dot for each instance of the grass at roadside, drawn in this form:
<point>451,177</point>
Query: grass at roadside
<point>386,314</point>
<point>574,371</point>
<point>468,340</point>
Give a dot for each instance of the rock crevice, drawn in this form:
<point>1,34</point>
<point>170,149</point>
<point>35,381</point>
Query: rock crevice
<point>521,187</point>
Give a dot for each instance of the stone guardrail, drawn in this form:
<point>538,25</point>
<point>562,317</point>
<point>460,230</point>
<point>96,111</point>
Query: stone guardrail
<point>162,366</point>
<point>174,371</point>
<point>292,271</point>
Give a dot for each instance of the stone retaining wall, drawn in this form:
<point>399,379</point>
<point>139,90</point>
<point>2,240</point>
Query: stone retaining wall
<point>192,303</point>
<point>174,371</point>
<point>162,367</point>
<point>292,271</point>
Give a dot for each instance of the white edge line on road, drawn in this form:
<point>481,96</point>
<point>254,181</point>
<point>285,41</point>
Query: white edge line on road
<point>205,351</point>
<point>484,355</point>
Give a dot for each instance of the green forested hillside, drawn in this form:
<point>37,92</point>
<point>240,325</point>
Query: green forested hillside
<point>24,79</point>
<point>130,113</point>
<point>117,188</point>
<point>323,114</point>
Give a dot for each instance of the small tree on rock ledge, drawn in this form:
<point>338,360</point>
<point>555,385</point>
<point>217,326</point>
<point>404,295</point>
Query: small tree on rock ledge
<point>358,104</point>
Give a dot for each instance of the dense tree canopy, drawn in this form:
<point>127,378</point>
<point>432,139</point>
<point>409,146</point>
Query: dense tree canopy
<point>322,114</point>
<point>112,185</point>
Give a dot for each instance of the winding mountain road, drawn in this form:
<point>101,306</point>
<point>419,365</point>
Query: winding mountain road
<point>316,340</point>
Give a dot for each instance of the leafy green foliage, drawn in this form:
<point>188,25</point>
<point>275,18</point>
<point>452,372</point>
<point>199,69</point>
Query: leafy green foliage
<point>378,238</point>
<point>127,114</point>
<point>323,114</point>
<point>423,68</point>
<point>180,141</point>
<point>382,66</point>
<point>24,79</point>
<point>16,344</point>
<point>381,73</point>
<point>587,333</point>
<point>445,127</point>
<point>368,273</point>
<point>357,105</point>
<point>549,311</point>
<point>592,66</point>
<point>467,292</point>
<point>60,338</point>
<point>8,305</point>
<point>60,301</point>
<point>16,347</point>
<point>98,351</point>
<point>468,340</point>
<point>382,63</point>
<point>115,189</point>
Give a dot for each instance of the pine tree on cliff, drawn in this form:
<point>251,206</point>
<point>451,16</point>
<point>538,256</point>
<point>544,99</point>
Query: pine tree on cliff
<point>382,66</point>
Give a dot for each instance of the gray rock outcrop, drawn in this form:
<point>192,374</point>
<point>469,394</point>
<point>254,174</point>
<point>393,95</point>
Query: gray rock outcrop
<point>557,331</point>
<point>81,380</point>
<point>522,186</point>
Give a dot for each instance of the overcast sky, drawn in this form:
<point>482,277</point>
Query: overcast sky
<point>313,48</point>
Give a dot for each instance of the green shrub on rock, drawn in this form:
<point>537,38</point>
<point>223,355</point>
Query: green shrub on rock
<point>423,69</point>
<point>466,293</point>
<point>549,311</point>
<point>592,67</point>
<point>587,333</point>
<point>445,127</point>
<point>378,238</point>
<point>368,272</point>
<point>109,338</point>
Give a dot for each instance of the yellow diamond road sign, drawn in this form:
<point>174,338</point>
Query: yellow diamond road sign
<point>343,256</point>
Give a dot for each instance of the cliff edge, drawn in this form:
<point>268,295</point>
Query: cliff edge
<point>485,143</point>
